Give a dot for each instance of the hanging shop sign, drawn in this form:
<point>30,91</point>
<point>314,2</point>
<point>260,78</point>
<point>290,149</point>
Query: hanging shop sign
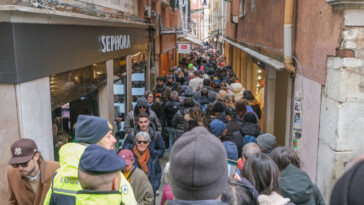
<point>184,48</point>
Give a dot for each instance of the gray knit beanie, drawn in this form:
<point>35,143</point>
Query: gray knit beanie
<point>142,101</point>
<point>266,141</point>
<point>198,166</point>
<point>91,129</point>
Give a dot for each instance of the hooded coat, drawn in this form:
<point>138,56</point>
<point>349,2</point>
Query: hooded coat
<point>295,184</point>
<point>237,90</point>
<point>131,118</point>
<point>178,120</point>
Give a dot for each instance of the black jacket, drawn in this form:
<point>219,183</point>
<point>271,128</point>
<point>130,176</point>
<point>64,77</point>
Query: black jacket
<point>178,120</point>
<point>249,128</point>
<point>170,109</point>
<point>233,126</point>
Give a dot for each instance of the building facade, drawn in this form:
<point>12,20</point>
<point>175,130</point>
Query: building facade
<point>315,104</point>
<point>61,59</point>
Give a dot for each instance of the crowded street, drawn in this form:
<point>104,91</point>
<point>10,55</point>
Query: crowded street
<point>175,102</point>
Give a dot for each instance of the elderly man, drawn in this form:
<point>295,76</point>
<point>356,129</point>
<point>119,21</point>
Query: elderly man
<point>29,175</point>
<point>99,175</point>
<point>89,130</point>
<point>138,180</point>
<point>197,158</point>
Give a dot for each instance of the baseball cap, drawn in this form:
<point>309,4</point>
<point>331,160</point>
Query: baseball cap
<point>23,150</point>
<point>127,155</point>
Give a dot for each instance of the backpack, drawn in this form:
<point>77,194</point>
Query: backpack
<point>249,138</point>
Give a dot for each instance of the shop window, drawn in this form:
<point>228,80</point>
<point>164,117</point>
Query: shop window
<point>241,8</point>
<point>139,65</point>
<point>119,96</point>
<point>74,93</point>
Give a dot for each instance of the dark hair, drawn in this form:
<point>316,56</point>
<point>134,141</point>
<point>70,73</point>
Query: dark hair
<point>284,156</point>
<point>204,92</point>
<point>206,82</point>
<point>146,93</point>
<point>143,114</point>
<point>240,107</point>
<point>160,78</point>
<point>237,193</point>
<point>188,102</point>
<point>263,173</point>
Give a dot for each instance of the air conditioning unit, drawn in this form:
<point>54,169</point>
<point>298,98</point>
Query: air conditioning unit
<point>147,12</point>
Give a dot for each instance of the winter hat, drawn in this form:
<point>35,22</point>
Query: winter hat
<point>179,70</point>
<point>231,112</point>
<point>231,150</point>
<point>267,142</point>
<point>202,68</point>
<point>218,107</point>
<point>142,102</point>
<point>98,160</point>
<point>217,127</point>
<point>248,95</point>
<point>91,129</point>
<point>198,166</point>
<point>188,93</point>
<point>250,117</point>
<point>348,189</point>
<point>169,76</point>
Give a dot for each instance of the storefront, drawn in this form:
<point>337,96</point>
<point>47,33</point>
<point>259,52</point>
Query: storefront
<point>62,71</point>
<point>168,53</point>
<point>270,85</point>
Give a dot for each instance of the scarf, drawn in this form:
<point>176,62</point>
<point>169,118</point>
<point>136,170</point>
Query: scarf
<point>142,159</point>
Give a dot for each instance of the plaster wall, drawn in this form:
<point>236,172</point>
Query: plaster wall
<point>9,133</point>
<point>34,113</point>
<point>308,143</point>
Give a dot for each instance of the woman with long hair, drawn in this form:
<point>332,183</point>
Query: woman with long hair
<point>263,173</point>
<point>208,116</point>
<point>193,118</point>
<point>240,107</point>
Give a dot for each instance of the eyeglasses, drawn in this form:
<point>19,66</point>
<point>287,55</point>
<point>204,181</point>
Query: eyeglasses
<point>25,164</point>
<point>142,142</point>
<point>142,107</point>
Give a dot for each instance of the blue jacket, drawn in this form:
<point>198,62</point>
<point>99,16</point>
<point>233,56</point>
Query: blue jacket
<point>154,168</point>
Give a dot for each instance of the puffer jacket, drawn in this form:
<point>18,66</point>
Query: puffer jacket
<point>131,120</point>
<point>295,184</point>
<point>237,90</point>
<point>178,120</point>
<point>170,109</point>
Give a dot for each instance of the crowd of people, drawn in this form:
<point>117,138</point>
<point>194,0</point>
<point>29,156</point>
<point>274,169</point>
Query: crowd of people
<point>203,117</point>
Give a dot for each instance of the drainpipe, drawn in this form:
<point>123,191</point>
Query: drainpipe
<point>288,19</point>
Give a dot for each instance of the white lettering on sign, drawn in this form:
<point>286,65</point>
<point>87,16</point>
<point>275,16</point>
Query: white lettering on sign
<point>114,43</point>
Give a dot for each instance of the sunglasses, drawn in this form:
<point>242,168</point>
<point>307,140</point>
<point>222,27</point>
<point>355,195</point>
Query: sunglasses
<point>142,142</point>
<point>143,107</point>
<point>25,164</point>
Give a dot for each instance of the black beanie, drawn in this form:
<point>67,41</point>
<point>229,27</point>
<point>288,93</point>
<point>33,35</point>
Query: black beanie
<point>218,107</point>
<point>250,117</point>
<point>348,189</point>
<point>91,129</point>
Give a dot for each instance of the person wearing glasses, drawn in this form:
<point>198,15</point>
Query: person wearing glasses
<point>29,175</point>
<point>146,159</point>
